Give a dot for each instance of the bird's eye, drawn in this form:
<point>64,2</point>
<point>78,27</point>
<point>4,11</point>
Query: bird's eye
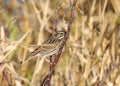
<point>62,33</point>
<point>59,35</point>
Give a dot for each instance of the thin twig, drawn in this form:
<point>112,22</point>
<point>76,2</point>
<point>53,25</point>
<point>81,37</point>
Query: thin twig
<point>5,75</point>
<point>48,77</point>
<point>55,19</point>
<point>108,74</point>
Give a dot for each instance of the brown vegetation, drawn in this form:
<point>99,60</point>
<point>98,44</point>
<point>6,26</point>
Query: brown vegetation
<point>90,57</point>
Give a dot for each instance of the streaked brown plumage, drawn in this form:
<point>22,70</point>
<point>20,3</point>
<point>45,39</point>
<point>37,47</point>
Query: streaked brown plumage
<point>48,48</point>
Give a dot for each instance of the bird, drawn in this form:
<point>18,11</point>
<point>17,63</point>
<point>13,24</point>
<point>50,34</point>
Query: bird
<point>49,47</point>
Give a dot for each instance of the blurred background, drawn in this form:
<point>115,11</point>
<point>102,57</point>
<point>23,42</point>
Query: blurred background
<point>91,51</point>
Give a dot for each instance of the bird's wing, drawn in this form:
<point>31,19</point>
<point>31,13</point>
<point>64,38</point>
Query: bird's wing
<point>42,50</point>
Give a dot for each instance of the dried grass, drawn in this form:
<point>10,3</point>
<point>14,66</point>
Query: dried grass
<point>89,55</point>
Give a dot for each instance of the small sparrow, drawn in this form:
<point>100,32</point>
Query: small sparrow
<point>49,47</point>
